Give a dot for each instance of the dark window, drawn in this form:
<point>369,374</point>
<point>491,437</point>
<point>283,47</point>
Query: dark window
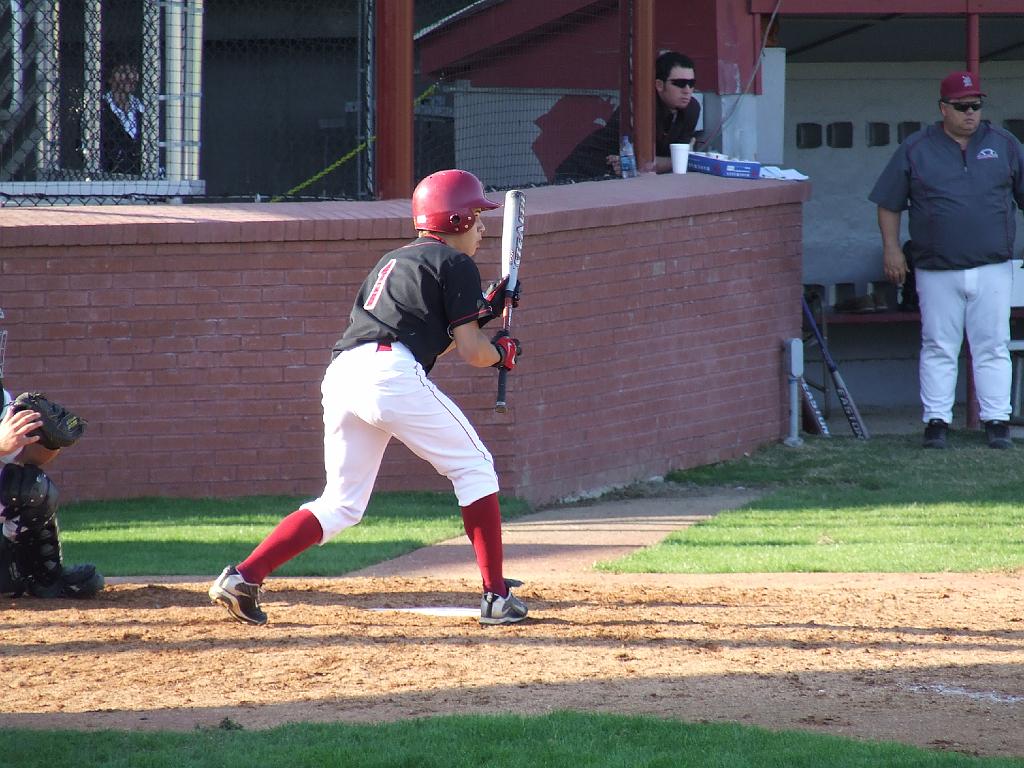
<point>878,134</point>
<point>840,135</point>
<point>1016,127</point>
<point>808,135</point>
<point>905,129</point>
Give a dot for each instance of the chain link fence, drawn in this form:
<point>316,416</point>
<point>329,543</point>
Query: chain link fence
<point>99,100</point>
<point>513,112</point>
<point>112,101</point>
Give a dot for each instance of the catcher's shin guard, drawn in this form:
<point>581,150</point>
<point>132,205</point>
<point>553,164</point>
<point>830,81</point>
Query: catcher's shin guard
<point>44,559</point>
<point>28,501</point>
<point>31,556</point>
<point>43,569</point>
<point>12,581</point>
<point>28,493</point>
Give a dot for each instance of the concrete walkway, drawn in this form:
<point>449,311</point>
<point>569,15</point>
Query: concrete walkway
<point>567,541</point>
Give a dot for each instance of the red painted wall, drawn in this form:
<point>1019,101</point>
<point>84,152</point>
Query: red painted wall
<point>508,45</point>
<point>193,338</point>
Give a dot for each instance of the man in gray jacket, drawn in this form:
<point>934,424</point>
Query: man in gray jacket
<point>962,180</point>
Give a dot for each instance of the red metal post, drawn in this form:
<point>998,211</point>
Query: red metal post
<point>393,149</point>
<point>643,82</point>
<point>626,69</point>
<point>973,44</point>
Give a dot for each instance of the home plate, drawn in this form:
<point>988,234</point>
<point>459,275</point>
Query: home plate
<point>436,611</point>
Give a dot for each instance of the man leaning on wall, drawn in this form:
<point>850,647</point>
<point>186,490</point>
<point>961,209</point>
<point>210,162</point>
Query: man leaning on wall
<point>676,114</point>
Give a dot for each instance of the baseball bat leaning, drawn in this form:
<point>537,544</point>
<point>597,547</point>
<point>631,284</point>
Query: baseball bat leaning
<point>842,392</point>
<point>812,411</point>
<point>512,233</point>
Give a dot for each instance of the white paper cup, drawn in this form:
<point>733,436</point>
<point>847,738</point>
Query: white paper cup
<point>680,157</point>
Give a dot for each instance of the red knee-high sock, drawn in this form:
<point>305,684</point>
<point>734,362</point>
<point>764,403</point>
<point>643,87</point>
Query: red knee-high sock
<point>296,533</point>
<point>482,521</point>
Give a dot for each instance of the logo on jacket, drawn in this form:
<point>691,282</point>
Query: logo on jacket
<point>987,154</point>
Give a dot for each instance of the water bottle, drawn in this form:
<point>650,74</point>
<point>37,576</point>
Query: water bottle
<point>627,158</point>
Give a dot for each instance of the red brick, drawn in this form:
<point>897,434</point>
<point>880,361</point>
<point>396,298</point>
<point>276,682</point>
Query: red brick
<point>652,342</point>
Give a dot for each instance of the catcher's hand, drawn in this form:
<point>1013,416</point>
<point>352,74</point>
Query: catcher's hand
<point>60,428</point>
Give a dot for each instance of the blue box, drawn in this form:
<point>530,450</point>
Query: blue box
<point>720,166</point>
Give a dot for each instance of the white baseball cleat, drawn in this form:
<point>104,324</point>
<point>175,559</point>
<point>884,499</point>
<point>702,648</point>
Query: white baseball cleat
<point>495,609</point>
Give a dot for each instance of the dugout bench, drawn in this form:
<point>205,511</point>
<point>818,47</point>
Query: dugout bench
<point>826,316</point>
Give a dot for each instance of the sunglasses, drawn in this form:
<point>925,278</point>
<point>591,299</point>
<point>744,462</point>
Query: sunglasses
<point>967,105</point>
<point>682,82</point>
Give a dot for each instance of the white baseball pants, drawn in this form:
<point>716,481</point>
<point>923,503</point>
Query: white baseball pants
<point>976,300</point>
<point>370,396</point>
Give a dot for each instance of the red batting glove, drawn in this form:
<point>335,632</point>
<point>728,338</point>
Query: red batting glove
<point>494,301</point>
<point>508,348</point>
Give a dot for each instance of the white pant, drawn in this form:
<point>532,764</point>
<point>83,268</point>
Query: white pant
<point>370,397</point>
<point>976,300</point>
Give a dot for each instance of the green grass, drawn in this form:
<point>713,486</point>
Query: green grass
<point>894,463</point>
<point>847,505</point>
<point>558,740</point>
<point>166,537</point>
<point>834,504</point>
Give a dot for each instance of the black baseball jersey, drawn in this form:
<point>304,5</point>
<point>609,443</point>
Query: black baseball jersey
<point>417,294</point>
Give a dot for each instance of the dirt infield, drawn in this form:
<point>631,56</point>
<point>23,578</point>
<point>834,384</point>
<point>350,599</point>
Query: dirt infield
<point>933,660</point>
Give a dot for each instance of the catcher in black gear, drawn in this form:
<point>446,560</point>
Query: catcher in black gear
<point>33,431</point>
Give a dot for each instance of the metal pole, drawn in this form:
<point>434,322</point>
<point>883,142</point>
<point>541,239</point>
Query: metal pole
<point>48,45</point>
<point>973,44</point>
<point>193,87</point>
<point>174,88</point>
<point>643,83</point>
<point>18,17</point>
<point>794,361</point>
<point>92,88</point>
<point>151,77</point>
<point>394,100</point>
<point>626,69</point>
<point>365,175</point>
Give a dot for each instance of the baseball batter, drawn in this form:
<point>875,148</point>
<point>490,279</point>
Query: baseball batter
<point>417,303</point>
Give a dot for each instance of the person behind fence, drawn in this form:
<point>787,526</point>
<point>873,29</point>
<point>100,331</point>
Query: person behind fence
<point>962,180</point>
<point>675,120</point>
<point>417,303</point>
<point>33,431</point>
<point>121,122</point>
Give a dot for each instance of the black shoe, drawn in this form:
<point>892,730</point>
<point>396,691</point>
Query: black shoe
<point>82,581</point>
<point>241,598</point>
<point>76,581</point>
<point>935,434</point>
<point>998,434</point>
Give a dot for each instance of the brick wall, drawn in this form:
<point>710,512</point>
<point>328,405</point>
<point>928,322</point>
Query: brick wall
<point>193,338</point>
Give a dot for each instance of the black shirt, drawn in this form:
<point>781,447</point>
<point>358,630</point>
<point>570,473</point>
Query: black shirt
<point>589,159</point>
<point>417,295</point>
<point>674,127</point>
<point>121,137</point>
<point>962,202</point>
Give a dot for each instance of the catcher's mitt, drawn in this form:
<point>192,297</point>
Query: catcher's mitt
<point>60,428</point>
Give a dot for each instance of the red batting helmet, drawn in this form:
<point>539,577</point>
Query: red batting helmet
<point>447,201</point>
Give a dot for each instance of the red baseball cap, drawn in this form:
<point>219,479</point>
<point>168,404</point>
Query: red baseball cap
<point>960,84</point>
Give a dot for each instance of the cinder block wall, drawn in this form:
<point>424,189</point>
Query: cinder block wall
<point>193,338</point>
